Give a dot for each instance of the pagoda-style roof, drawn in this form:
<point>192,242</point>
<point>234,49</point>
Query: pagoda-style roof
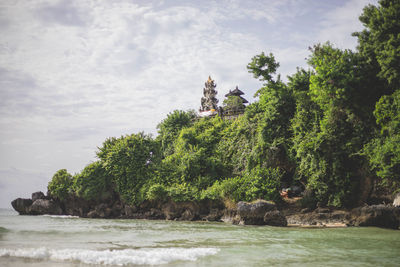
<point>237,92</point>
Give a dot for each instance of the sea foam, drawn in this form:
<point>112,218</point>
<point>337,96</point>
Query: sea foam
<point>150,256</point>
<point>61,216</point>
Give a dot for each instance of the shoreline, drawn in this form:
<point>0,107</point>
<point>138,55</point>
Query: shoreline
<point>259,212</point>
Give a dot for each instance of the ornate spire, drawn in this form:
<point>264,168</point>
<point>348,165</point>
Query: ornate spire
<point>209,101</point>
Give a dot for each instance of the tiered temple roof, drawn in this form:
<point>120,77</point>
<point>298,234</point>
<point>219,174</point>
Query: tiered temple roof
<point>237,92</point>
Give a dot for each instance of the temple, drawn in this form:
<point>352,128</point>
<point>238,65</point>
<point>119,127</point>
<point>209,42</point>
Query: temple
<point>238,93</point>
<point>233,105</point>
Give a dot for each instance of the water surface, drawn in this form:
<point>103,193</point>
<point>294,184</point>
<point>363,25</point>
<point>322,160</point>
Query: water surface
<point>72,241</point>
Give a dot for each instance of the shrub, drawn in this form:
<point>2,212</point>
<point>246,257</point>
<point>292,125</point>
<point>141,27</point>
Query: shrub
<point>60,185</point>
<point>157,192</point>
<point>93,183</point>
<point>183,192</point>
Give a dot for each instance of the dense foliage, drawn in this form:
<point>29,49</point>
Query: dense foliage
<point>330,129</point>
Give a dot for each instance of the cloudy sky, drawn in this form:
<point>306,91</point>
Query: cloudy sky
<point>73,73</point>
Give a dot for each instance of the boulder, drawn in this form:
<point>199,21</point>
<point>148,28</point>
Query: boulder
<point>154,214</point>
<point>386,216</point>
<point>22,205</point>
<point>129,210</point>
<point>253,213</point>
<point>275,218</point>
<point>184,211</point>
<point>187,215</point>
<point>76,206</point>
<point>214,215</point>
<point>38,195</point>
<point>396,201</point>
<point>45,206</point>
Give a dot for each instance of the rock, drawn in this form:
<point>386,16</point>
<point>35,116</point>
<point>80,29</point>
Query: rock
<point>214,215</point>
<point>22,205</point>
<point>45,206</point>
<point>154,214</point>
<point>335,217</point>
<point>386,216</point>
<point>187,215</point>
<point>93,214</point>
<point>181,210</point>
<point>129,210</point>
<point>38,195</point>
<point>76,206</point>
<point>253,213</point>
<point>322,210</point>
<point>275,218</point>
<point>103,211</point>
<point>396,201</point>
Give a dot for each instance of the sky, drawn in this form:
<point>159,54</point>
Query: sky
<point>73,73</point>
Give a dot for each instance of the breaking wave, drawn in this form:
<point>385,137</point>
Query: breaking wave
<point>152,256</point>
<point>61,216</point>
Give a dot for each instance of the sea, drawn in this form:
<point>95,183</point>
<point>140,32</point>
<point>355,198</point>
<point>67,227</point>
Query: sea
<point>71,241</point>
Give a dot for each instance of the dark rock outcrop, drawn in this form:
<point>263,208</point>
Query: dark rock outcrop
<point>22,205</point>
<point>386,216</point>
<point>45,206</point>
<point>38,195</point>
<point>275,218</point>
<point>253,213</point>
<point>183,211</point>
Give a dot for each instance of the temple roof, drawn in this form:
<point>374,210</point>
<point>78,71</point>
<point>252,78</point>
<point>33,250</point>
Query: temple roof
<point>244,100</point>
<point>235,92</point>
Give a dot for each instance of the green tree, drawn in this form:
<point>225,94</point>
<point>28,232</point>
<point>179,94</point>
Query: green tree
<point>384,151</point>
<point>93,182</point>
<point>60,185</point>
<point>263,67</point>
<point>132,161</point>
<point>170,127</point>
<point>380,40</point>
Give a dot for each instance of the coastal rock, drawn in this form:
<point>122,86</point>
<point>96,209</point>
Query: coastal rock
<point>214,215</point>
<point>253,213</point>
<point>76,206</point>
<point>275,218</point>
<point>154,214</point>
<point>22,205</point>
<point>396,201</point>
<point>319,218</point>
<point>386,216</point>
<point>187,215</point>
<point>38,195</point>
<point>187,211</point>
<point>129,210</point>
<point>45,206</point>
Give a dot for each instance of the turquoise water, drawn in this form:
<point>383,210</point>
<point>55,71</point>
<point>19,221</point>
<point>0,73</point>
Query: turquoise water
<point>71,241</point>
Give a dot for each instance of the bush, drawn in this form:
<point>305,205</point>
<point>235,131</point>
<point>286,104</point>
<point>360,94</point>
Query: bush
<point>260,183</point>
<point>93,183</point>
<point>157,192</point>
<point>60,185</point>
<point>183,192</point>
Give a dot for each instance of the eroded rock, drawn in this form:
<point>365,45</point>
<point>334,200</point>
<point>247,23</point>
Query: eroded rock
<point>45,206</point>
<point>38,195</point>
<point>253,213</point>
<point>386,216</point>
<point>275,218</point>
<point>22,205</point>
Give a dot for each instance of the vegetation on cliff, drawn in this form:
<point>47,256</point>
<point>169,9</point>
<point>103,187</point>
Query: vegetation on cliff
<point>332,128</point>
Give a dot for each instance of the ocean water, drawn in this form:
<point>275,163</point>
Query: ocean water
<point>71,241</point>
